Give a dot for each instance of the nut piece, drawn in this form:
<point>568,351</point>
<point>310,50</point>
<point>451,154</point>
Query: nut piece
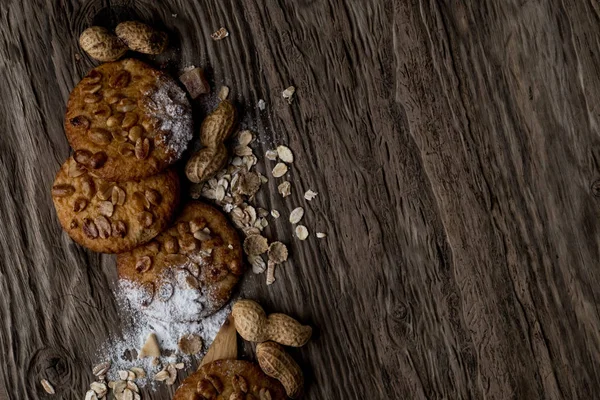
<point>146,219</point>
<point>100,136</point>
<point>101,44</point>
<point>220,34</point>
<point>142,148</point>
<point>190,344</point>
<point>90,229</point>
<point>143,264</point>
<point>119,229</point>
<point>153,197</point>
<point>206,163</point>
<point>195,82</point>
<point>141,37</point>
<point>278,364</point>
<point>119,80</point>
<point>101,369</point>
<point>63,190</point>
<point>150,348</point>
<point>103,225</point>
<point>106,208</point>
<point>255,245</point>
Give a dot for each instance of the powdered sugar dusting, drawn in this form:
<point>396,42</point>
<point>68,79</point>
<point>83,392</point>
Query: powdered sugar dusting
<point>175,299</point>
<point>171,106</point>
<point>164,319</point>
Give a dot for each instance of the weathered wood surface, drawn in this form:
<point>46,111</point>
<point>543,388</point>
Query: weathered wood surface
<point>453,144</point>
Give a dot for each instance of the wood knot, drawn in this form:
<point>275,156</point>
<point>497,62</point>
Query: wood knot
<point>595,188</point>
<point>55,365</point>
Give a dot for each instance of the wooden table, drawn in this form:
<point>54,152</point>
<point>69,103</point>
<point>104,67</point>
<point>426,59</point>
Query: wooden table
<point>455,148</point>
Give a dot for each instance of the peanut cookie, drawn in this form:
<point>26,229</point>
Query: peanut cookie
<point>110,217</point>
<point>126,121</point>
<point>230,379</point>
<point>188,271</point>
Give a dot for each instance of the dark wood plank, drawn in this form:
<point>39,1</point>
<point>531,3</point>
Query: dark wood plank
<point>453,145</point>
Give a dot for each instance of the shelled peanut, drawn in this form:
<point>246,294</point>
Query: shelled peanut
<point>252,323</point>
<point>215,129</point>
<point>275,362</point>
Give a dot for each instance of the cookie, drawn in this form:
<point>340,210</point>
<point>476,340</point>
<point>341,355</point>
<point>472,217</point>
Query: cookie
<point>188,271</point>
<point>127,121</point>
<point>110,217</point>
<point>230,379</point>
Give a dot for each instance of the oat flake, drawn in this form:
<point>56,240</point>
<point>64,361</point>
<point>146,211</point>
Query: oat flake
<point>301,232</point>
<point>296,215</point>
<point>309,195</point>
<point>280,170</point>
<point>285,154</point>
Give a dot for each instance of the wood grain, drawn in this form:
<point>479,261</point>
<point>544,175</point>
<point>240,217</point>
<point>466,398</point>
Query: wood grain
<point>454,146</point>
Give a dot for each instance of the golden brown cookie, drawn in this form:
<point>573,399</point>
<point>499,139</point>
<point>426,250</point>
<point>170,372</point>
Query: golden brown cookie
<point>126,121</point>
<point>110,217</point>
<point>188,271</point>
<point>230,379</point>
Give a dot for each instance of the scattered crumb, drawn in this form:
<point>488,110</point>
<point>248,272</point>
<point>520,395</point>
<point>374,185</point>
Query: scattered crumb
<point>285,189</point>
<point>321,235</point>
<point>220,34</point>
<point>174,15</point>
<point>288,94</point>
<point>258,264</point>
<point>270,272</point>
<point>261,104</point>
<point>309,195</point>
<point>271,155</point>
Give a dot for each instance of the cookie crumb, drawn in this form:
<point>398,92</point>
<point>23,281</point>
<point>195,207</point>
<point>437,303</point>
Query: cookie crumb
<point>220,34</point>
<point>288,94</point>
<point>309,195</point>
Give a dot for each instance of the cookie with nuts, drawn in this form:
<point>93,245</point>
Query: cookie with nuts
<point>112,217</point>
<point>227,380</point>
<point>127,121</point>
<point>188,271</point>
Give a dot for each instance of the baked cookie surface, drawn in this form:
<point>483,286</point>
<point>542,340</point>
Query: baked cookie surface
<point>230,379</point>
<point>126,121</point>
<point>112,217</point>
<point>187,272</point>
